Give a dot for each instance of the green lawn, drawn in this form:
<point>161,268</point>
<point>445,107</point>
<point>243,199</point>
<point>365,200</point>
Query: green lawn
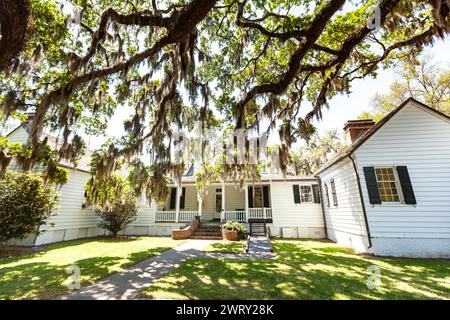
<point>305,269</point>
<point>226,247</point>
<point>43,275</point>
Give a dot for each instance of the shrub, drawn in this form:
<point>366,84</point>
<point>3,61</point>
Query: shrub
<point>114,201</point>
<point>236,226</point>
<point>117,216</point>
<point>25,204</point>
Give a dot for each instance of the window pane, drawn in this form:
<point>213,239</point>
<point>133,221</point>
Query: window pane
<point>306,193</point>
<point>387,185</point>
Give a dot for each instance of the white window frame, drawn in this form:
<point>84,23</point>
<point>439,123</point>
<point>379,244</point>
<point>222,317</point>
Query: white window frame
<point>397,185</point>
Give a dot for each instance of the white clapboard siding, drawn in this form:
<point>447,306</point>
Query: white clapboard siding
<point>69,213</point>
<point>18,135</point>
<point>420,140</point>
<point>347,219</point>
<point>286,213</point>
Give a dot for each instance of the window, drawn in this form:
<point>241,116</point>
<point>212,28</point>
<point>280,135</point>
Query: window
<point>387,184</point>
<point>327,196</point>
<point>306,193</point>
<point>333,192</point>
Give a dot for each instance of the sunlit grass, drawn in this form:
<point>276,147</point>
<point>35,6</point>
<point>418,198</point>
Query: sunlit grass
<point>44,274</point>
<point>226,247</point>
<point>305,269</point>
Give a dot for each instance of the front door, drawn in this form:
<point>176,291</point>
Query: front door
<point>218,206</point>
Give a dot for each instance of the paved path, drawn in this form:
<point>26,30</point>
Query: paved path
<point>127,284</point>
<point>259,247</point>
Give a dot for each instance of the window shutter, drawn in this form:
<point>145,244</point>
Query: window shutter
<point>173,198</point>
<point>405,182</point>
<point>316,193</point>
<point>372,185</point>
<point>296,193</point>
<point>266,196</point>
<point>327,196</point>
<point>182,199</point>
<point>250,197</point>
<point>333,192</point>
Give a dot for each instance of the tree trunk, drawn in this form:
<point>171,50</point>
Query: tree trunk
<point>16,26</point>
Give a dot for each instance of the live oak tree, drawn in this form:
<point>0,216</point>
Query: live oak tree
<point>173,62</point>
<point>315,153</point>
<point>422,79</point>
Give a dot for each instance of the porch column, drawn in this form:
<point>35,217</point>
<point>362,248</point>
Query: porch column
<point>246,202</point>
<point>177,203</point>
<point>223,201</point>
<point>200,205</point>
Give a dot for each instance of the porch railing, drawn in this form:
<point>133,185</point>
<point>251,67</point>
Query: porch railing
<point>187,216</point>
<point>260,213</point>
<point>170,216</point>
<point>238,216</point>
<point>165,216</point>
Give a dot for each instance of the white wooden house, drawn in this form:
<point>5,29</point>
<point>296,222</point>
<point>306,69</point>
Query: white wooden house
<point>290,206</point>
<point>388,191</point>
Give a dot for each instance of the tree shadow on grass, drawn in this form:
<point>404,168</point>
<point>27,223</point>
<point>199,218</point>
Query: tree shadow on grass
<point>305,270</point>
<point>226,247</point>
<point>42,280</point>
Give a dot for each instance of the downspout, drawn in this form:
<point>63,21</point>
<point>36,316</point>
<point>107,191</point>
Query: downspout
<point>323,208</point>
<point>366,221</point>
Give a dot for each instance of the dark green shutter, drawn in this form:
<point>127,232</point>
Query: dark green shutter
<point>316,193</point>
<point>372,185</point>
<point>296,190</point>
<point>266,196</point>
<point>250,197</point>
<point>173,198</point>
<point>182,199</point>
<point>405,182</point>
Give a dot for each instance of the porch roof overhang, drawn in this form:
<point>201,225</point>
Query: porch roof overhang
<point>264,179</point>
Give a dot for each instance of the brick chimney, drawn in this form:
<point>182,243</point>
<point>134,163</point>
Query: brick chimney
<point>354,129</point>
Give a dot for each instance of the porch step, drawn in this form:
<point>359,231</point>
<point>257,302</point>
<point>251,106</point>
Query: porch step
<point>211,233</point>
<point>206,237</point>
<point>258,228</point>
<point>208,231</point>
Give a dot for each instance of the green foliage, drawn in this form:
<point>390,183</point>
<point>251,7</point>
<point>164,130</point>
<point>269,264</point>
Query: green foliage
<point>421,79</point>
<point>114,201</point>
<point>316,152</point>
<point>61,176</point>
<point>235,226</point>
<point>117,215</point>
<point>25,204</point>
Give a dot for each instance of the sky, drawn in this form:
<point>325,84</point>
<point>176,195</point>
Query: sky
<point>348,107</point>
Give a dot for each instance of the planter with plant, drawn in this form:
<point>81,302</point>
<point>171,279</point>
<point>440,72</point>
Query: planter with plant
<point>233,231</point>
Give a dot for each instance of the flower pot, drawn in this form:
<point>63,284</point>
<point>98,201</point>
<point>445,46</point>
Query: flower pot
<point>230,235</point>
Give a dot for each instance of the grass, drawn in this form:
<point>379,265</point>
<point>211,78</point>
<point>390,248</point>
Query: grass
<point>305,269</point>
<point>226,247</point>
<point>44,275</point>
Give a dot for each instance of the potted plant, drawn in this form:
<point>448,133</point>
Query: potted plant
<point>233,231</point>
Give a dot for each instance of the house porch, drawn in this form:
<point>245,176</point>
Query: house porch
<point>223,202</point>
